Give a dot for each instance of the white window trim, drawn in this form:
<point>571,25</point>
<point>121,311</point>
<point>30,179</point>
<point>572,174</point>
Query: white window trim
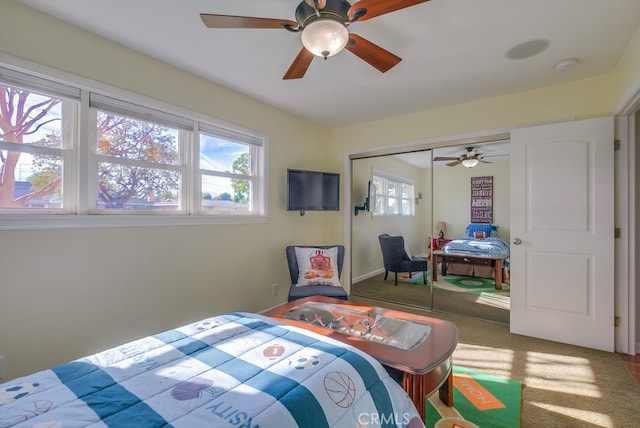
<point>398,179</point>
<point>83,219</point>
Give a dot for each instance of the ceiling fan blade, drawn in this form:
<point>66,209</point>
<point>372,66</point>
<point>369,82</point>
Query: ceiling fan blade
<point>379,7</point>
<point>230,21</point>
<point>440,158</point>
<point>458,162</point>
<point>300,65</point>
<point>376,56</point>
<point>484,161</point>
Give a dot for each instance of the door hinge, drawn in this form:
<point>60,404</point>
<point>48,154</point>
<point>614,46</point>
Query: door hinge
<point>616,144</point>
<point>616,321</point>
<point>617,233</point>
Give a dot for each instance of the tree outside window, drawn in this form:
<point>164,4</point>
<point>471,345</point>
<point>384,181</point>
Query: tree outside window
<point>31,123</point>
<point>122,186</point>
<point>138,157</point>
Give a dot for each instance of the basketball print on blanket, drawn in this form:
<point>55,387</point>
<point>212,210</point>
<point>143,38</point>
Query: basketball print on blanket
<point>340,388</point>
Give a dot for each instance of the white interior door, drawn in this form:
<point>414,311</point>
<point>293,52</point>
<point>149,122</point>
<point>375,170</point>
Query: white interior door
<point>562,232</point>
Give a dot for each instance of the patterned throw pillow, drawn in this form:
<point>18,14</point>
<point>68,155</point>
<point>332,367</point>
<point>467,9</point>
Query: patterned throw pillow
<point>317,266</point>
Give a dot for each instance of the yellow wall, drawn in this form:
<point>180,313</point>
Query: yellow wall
<point>452,197</point>
<point>582,99</point>
<point>628,71</point>
<point>65,294</point>
<point>366,257</point>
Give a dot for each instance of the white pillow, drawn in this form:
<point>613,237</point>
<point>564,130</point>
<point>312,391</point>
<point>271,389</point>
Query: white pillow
<point>317,266</point>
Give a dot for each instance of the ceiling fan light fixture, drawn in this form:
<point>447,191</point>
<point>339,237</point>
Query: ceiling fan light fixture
<point>470,163</point>
<point>325,37</point>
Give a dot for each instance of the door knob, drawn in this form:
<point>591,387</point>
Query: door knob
<point>517,241</point>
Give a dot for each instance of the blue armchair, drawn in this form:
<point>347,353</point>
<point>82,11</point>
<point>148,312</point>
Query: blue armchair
<point>296,292</point>
<point>396,259</point>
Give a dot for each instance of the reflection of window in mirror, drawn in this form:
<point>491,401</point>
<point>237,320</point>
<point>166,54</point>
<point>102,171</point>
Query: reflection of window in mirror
<point>394,194</point>
<point>372,197</point>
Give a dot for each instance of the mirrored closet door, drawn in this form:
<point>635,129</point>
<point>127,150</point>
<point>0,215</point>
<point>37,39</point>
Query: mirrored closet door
<point>471,198</point>
<point>401,206</point>
<point>430,198</point>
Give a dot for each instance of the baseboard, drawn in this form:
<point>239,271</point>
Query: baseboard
<point>366,276</point>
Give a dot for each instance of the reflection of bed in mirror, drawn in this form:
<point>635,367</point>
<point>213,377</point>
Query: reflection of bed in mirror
<point>480,239</point>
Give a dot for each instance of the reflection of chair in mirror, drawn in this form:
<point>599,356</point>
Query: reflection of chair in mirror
<point>396,259</point>
<point>303,286</point>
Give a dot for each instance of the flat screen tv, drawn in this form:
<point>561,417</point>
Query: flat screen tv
<point>370,200</point>
<point>312,191</point>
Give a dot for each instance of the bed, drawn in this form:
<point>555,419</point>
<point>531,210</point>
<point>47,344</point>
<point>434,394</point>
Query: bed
<point>236,370</point>
<point>480,238</point>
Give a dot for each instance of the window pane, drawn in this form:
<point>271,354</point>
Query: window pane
<point>30,180</point>
<point>392,206</point>
<point>379,182</point>
<point>394,197</point>
<point>225,156</point>
<point>38,181</point>
<point>30,118</point>
<point>123,187</point>
<point>406,190</point>
<point>379,209</point>
<point>128,138</point>
<point>225,194</point>
<point>406,207</point>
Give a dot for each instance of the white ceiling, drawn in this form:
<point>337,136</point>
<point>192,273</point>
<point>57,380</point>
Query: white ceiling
<point>453,51</point>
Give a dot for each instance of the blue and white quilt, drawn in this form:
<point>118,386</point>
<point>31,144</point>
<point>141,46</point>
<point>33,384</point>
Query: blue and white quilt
<point>490,245</point>
<point>233,370</point>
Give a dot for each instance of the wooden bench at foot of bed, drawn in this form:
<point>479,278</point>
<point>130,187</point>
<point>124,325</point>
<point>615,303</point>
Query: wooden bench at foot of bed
<point>477,259</point>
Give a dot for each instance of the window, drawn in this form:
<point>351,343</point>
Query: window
<point>36,144</point>
<point>137,163</point>
<point>394,195</point>
<point>67,150</point>
<point>228,171</point>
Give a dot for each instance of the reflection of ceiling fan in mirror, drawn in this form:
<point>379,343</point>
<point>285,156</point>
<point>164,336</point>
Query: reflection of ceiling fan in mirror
<point>468,159</point>
<point>323,25</point>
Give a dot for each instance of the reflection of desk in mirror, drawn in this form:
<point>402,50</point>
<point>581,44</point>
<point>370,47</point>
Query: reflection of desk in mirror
<point>481,259</point>
<point>419,347</point>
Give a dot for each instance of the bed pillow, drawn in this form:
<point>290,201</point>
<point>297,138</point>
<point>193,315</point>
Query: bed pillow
<point>317,266</point>
<point>488,229</point>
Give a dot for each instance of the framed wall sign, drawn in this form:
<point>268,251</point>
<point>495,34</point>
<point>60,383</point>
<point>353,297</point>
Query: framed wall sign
<point>482,199</point>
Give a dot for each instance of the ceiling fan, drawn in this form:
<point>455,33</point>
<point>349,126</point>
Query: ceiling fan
<point>323,24</point>
<point>468,159</point>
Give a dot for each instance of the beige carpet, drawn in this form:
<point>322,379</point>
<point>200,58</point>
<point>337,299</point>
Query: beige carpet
<point>564,385</point>
<point>480,306</point>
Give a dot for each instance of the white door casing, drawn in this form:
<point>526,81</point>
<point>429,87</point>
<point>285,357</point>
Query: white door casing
<point>562,212</point>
